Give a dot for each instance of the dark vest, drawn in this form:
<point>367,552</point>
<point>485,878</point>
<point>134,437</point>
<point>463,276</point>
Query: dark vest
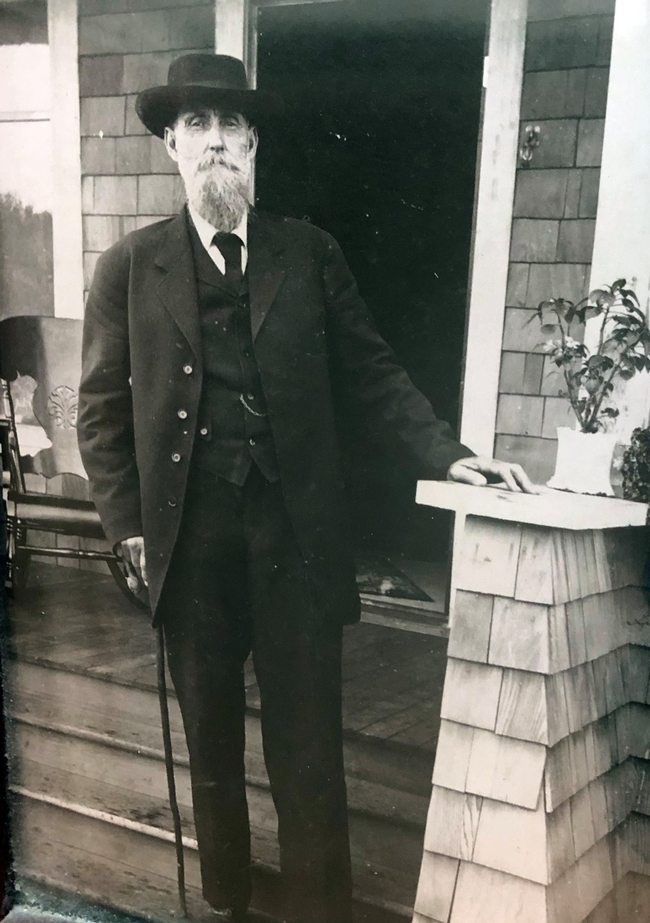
<point>230,434</point>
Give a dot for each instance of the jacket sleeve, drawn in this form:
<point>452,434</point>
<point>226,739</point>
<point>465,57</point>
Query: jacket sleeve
<point>105,420</point>
<point>375,388</point>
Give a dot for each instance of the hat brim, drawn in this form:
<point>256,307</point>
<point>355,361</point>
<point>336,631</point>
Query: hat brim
<point>158,107</point>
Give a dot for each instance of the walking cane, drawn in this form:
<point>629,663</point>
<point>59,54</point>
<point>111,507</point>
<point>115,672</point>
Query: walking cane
<point>141,601</point>
<point>169,765</point>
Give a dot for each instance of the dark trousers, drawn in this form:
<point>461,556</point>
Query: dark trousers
<point>237,582</point>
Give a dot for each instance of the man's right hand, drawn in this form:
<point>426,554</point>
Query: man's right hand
<point>135,563</point>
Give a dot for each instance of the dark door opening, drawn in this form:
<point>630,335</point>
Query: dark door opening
<point>379,148</point>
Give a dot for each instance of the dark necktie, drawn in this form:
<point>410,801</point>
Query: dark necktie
<point>230,246</point>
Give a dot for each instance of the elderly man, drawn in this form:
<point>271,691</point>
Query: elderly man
<point>220,348</point>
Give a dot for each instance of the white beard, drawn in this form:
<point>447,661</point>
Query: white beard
<point>220,194</point>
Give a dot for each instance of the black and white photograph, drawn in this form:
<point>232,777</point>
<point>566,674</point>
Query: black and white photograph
<point>325,439</point>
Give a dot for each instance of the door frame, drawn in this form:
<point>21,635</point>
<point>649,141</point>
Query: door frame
<point>236,34</point>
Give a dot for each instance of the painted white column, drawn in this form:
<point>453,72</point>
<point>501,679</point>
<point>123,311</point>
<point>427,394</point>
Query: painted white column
<point>622,240</point>
<point>230,28</point>
<point>66,148</point>
<point>493,222</point>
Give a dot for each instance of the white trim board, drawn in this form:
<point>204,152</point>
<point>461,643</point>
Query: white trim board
<point>493,222</point>
<point>67,235</point>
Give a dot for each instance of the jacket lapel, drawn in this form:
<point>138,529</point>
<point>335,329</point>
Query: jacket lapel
<point>266,267</point>
<point>177,288</point>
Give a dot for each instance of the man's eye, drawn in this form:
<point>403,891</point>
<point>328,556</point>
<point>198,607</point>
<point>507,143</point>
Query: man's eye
<point>196,122</point>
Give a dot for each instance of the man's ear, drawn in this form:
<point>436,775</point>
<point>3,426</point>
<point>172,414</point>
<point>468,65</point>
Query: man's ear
<point>253,140</point>
<point>170,144</point>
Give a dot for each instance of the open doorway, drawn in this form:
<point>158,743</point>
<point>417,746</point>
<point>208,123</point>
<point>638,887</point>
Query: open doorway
<point>379,146</point>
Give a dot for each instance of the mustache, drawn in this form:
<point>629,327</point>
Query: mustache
<point>218,161</point>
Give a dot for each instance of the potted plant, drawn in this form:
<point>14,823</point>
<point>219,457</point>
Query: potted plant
<point>623,349</point>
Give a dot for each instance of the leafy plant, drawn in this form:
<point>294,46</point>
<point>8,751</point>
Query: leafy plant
<point>623,348</point>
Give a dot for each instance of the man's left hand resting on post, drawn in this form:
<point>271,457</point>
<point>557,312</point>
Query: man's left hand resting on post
<point>481,470</point>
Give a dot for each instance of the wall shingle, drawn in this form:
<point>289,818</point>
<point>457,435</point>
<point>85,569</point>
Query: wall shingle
<point>534,241</point>
<point>517,285</point>
<point>596,92</point>
<point>160,194</point>
<point>540,193</point>
<point>590,142</point>
<point>519,415</point>
<point>572,200</point>
<point>101,76</point>
<point>551,45</point>
<point>535,454</point>
<point>511,380</point>
<point>556,280</point>
<point>576,241</point>
<point>521,331</point>
<point>102,115</point>
<point>557,143</point>
<point>133,125</point>
<point>114,195</point>
<point>589,193</point>
<point>133,155</point>
<point>97,155</point>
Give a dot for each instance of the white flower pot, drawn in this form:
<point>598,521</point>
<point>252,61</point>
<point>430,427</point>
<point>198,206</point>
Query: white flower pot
<point>584,462</point>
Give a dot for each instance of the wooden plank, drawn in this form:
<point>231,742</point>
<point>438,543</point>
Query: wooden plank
<point>484,895</point>
<point>471,694</point>
<point>558,778</point>
<point>558,639</point>
<point>576,632</point>
<point>558,722</point>
<point>522,711</point>
<point>519,637</point>
<point>534,572</point>
<point>554,509</point>
<point>505,770</point>
<point>560,849</point>
<point>436,887</point>
<point>488,557</point>
<point>493,220</point>
<point>469,637</point>
<point>582,822</point>
<point>452,755</point>
<point>559,569</point>
<point>452,823</point>
<point>513,840</point>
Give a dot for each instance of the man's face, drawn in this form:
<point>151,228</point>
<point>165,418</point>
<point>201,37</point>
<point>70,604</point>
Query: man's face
<point>214,150</point>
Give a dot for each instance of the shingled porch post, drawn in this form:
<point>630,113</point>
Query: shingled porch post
<point>540,790</point>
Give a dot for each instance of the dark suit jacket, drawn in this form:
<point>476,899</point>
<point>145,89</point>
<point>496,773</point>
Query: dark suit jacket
<point>319,355</point>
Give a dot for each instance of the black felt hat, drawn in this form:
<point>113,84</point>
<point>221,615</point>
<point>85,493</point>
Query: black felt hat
<point>207,80</point>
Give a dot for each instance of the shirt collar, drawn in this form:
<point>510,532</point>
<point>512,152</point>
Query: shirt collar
<point>206,232</point>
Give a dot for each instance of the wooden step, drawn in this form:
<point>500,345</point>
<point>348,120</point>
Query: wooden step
<point>92,748</point>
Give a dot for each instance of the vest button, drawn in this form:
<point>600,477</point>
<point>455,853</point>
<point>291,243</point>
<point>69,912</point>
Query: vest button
<point>172,501</point>
<point>187,369</point>
<point>204,430</point>
<point>176,457</point>
<point>250,396</point>
<point>251,441</point>
<point>182,414</point>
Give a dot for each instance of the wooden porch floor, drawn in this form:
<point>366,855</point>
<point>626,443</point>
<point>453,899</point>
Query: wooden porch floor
<point>77,621</point>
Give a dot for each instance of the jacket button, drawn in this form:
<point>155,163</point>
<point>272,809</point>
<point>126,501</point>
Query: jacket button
<point>204,430</point>
<point>182,414</point>
<point>187,369</point>
<point>176,457</point>
<point>172,501</point>
<point>250,396</point>
<point>251,441</point>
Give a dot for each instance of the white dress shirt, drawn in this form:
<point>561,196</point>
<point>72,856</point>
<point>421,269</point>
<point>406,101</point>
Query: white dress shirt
<point>206,234</point>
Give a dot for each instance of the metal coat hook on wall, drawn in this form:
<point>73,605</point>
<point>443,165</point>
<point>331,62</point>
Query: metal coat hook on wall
<point>528,145</point>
